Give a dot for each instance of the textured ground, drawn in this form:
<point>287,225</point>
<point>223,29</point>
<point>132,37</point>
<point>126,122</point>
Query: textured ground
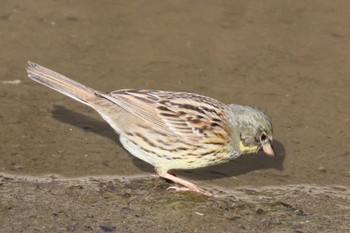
<point>107,205</point>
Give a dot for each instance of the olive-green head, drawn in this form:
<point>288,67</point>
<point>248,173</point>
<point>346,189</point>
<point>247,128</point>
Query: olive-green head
<point>252,128</point>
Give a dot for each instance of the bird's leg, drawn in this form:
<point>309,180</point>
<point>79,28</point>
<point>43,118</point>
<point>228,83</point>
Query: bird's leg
<point>188,185</point>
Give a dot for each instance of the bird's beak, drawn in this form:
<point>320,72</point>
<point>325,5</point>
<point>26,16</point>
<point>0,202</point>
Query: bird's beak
<point>268,149</point>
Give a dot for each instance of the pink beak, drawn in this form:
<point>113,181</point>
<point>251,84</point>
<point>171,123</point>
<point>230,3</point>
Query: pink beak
<point>268,149</point>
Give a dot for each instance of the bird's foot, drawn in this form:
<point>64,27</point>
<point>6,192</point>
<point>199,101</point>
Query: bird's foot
<point>188,186</point>
<point>192,189</point>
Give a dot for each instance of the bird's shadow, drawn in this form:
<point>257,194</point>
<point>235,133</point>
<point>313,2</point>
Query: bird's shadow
<point>84,122</point>
<point>241,165</point>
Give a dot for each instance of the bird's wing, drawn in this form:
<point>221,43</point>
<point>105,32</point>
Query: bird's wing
<point>193,117</point>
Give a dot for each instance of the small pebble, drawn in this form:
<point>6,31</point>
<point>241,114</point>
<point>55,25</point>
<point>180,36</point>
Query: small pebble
<point>322,168</point>
<point>107,228</point>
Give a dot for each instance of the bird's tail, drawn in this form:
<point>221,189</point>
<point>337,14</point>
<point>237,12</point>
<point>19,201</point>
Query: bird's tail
<point>60,83</point>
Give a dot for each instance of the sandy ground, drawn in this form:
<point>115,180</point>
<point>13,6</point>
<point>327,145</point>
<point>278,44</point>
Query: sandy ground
<point>104,204</point>
<point>63,169</point>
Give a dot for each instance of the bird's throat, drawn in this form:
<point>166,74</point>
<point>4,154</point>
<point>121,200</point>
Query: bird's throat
<point>247,149</point>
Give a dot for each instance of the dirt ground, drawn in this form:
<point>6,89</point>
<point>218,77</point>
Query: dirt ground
<point>62,168</point>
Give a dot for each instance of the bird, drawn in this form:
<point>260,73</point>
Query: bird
<point>171,130</point>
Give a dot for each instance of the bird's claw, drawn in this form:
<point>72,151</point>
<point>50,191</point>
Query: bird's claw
<point>194,189</point>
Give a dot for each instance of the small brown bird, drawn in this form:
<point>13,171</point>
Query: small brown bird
<point>171,130</point>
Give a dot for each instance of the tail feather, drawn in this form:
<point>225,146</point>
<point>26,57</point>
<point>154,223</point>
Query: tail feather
<point>60,83</point>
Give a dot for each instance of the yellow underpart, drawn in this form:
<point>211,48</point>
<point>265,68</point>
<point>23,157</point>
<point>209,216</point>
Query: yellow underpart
<point>247,149</point>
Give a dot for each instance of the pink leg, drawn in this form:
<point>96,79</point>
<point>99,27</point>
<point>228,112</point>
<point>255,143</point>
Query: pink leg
<point>188,185</point>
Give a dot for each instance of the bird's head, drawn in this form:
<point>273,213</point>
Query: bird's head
<point>252,128</point>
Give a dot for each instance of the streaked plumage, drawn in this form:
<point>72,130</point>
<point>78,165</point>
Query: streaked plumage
<point>171,130</point>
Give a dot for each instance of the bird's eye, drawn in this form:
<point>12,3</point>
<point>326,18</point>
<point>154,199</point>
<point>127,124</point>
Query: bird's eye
<point>263,137</point>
